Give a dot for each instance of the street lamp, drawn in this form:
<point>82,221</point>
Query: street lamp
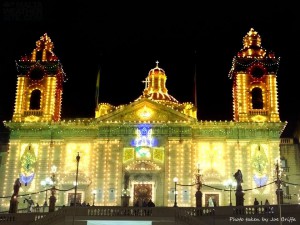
<point>278,182</point>
<point>53,172</point>
<point>49,181</point>
<point>76,183</point>
<point>45,183</point>
<point>198,178</point>
<point>94,196</point>
<point>231,184</point>
<point>278,173</point>
<point>198,184</point>
<point>175,179</point>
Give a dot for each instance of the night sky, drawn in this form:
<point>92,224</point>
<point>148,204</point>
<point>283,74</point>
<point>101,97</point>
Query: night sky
<point>125,40</point>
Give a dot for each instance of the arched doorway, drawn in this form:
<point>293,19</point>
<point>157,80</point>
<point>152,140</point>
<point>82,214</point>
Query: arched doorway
<point>142,193</point>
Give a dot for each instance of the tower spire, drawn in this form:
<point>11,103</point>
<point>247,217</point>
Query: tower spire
<point>39,84</point>
<point>254,71</point>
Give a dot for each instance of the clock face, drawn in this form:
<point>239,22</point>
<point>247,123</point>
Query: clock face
<point>257,72</point>
<point>36,74</point>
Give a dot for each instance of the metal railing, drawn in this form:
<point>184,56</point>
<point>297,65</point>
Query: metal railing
<point>172,215</point>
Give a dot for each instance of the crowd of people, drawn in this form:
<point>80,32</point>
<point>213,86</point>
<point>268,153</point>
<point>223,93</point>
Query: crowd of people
<point>80,204</point>
<point>150,203</point>
<point>144,203</point>
<point>266,208</point>
<point>30,204</point>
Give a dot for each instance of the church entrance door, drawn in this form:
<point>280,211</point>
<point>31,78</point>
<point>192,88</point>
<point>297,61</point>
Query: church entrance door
<point>71,197</point>
<point>142,192</point>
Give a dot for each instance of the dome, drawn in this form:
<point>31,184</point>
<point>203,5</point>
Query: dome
<point>156,70</point>
<point>155,86</point>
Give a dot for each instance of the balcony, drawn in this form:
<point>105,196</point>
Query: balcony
<point>258,112</point>
<point>33,112</point>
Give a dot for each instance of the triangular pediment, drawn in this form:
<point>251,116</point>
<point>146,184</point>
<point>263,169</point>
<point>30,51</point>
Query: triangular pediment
<point>146,110</point>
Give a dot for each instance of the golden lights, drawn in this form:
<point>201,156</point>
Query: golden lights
<point>145,113</point>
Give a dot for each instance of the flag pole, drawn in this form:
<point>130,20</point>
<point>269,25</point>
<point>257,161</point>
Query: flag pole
<point>97,88</point>
<point>195,81</point>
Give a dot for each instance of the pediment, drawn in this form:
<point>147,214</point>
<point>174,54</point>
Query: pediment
<point>146,110</point>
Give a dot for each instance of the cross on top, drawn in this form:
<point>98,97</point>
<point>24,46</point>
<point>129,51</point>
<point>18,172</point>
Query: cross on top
<point>146,81</point>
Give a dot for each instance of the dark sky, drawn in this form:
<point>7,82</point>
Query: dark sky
<point>126,39</point>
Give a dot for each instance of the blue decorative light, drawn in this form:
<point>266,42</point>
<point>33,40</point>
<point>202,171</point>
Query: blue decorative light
<point>260,181</point>
<point>26,179</point>
<point>144,137</point>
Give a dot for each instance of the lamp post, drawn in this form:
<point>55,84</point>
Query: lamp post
<point>279,190</point>
<point>94,196</point>
<point>45,183</point>
<point>231,184</point>
<point>76,183</point>
<point>175,179</point>
<point>53,172</point>
<point>198,183</point>
<point>49,181</point>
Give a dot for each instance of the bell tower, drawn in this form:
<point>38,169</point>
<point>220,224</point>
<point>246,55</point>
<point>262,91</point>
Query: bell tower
<point>39,85</point>
<point>254,74</point>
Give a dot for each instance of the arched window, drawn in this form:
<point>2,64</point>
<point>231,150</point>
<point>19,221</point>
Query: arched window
<point>35,99</point>
<point>257,98</point>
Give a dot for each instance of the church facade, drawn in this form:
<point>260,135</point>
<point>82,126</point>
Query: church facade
<point>135,151</point>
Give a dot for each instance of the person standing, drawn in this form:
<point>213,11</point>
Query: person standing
<point>151,204</point>
<point>30,204</point>
<point>256,203</point>
<point>267,206</point>
<point>145,204</point>
<point>136,204</point>
<point>210,202</point>
<point>37,207</point>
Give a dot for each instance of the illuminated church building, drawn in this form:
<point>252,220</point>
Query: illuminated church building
<point>137,149</point>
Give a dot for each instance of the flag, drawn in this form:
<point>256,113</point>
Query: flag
<point>97,88</point>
